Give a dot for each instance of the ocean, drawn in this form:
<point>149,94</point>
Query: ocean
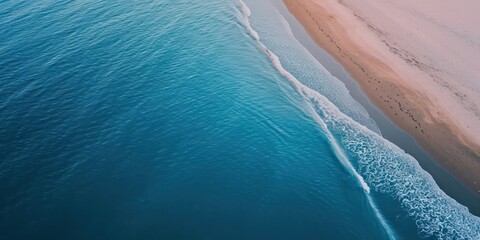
<point>193,119</point>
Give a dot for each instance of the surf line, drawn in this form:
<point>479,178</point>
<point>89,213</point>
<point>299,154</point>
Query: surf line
<point>304,91</point>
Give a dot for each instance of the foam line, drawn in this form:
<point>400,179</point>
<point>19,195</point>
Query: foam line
<point>340,154</point>
<point>277,64</point>
<point>333,142</point>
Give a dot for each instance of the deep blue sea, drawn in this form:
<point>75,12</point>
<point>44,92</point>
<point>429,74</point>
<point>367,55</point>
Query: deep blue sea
<point>193,119</point>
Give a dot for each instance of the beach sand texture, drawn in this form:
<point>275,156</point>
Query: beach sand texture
<point>418,61</point>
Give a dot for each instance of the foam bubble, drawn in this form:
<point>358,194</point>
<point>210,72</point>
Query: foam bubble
<point>388,169</point>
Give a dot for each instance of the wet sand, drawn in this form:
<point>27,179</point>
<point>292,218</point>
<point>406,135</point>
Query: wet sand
<point>386,79</point>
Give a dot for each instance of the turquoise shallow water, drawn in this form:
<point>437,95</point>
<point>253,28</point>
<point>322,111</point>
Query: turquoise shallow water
<point>174,120</point>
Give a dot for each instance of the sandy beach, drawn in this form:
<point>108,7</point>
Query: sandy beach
<point>417,61</point>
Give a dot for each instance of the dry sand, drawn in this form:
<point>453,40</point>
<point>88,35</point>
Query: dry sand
<point>418,61</point>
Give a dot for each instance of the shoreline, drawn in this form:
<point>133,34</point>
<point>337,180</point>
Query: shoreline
<point>404,105</point>
<point>390,131</point>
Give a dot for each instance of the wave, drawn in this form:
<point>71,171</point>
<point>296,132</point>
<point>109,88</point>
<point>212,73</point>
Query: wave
<point>338,151</point>
<point>277,64</point>
<point>278,35</point>
<point>381,165</point>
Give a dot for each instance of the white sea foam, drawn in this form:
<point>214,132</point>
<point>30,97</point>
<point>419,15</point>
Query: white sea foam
<point>388,169</point>
<point>382,165</point>
<point>335,146</point>
<point>247,13</point>
<point>278,65</point>
<point>278,36</point>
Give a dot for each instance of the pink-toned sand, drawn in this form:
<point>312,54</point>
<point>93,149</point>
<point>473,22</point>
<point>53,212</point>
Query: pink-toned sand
<point>418,60</point>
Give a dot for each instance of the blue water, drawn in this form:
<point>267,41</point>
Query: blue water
<point>192,119</point>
